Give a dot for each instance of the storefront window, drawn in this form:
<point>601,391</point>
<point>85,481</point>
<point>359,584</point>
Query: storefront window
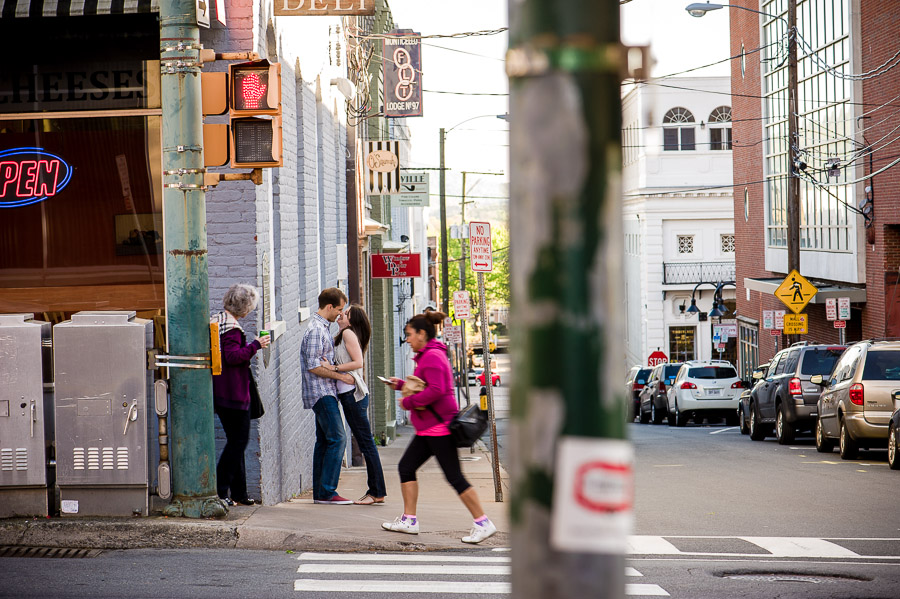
<point>682,343</point>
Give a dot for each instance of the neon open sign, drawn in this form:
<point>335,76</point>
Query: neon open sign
<point>31,175</point>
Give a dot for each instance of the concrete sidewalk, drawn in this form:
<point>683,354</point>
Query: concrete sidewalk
<point>298,524</point>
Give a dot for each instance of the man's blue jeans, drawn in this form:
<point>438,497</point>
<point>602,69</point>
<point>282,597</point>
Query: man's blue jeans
<point>329,449</point>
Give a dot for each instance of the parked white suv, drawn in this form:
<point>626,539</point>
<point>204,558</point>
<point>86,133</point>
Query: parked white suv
<point>704,389</point>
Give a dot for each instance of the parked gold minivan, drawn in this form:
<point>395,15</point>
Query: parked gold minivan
<point>857,399</point>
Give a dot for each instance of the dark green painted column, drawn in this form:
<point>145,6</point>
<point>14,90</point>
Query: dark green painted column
<point>570,464</point>
<point>192,441</point>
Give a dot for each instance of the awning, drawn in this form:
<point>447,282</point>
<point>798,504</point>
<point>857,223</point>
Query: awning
<point>857,295</point>
<point>10,9</point>
<point>373,227</point>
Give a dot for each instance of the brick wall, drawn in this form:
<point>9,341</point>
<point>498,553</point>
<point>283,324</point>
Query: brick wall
<point>293,219</point>
<point>879,24</point>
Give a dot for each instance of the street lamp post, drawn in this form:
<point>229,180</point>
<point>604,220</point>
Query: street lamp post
<point>698,9</point>
<point>445,276</point>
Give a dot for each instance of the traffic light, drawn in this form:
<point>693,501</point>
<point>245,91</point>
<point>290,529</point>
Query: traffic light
<point>255,93</point>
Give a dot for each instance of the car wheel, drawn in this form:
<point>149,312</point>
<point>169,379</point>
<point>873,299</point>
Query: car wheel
<point>757,433</point>
<point>655,416</point>
<point>849,448</point>
<point>823,443</point>
<point>742,422</point>
<point>680,419</point>
<point>670,418</point>
<point>784,430</point>
<point>645,417</point>
<point>893,441</point>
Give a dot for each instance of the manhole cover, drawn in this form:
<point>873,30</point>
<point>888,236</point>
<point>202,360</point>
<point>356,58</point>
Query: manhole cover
<point>55,552</point>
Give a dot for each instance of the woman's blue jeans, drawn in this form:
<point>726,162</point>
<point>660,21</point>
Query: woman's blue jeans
<point>356,413</point>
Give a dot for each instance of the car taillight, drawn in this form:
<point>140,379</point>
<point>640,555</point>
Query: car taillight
<point>637,387</point>
<point>662,387</point>
<point>794,387</point>
<point>856,394</point>
<point>688,385</point>
<point>737,385</point>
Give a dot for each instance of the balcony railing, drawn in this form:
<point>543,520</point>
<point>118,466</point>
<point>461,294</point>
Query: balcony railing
<point>675,273</point>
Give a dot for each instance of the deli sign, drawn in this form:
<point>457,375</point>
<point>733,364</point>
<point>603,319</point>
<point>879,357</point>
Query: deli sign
<point>31,175</point>
<point>396,266</point>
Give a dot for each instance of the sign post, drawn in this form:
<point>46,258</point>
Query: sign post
<point>843,315</point>
<point>482,262</point>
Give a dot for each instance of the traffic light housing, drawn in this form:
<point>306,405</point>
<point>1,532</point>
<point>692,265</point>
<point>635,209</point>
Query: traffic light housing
<point>254,89</point>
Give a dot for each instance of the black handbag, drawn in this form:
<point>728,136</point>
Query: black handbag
<point>467,426</point>
<point>256,405</point>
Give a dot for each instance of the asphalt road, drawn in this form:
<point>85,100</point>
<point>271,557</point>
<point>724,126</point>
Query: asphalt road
<point>717,516</point>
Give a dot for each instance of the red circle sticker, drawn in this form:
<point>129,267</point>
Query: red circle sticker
<point>604,487</point>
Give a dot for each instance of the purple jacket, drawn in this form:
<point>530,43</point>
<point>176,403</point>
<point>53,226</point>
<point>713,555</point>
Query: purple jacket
<point>433,367</point>
<point>231,389</point>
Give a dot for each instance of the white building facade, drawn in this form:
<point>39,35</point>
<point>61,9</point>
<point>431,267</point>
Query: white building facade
<point>678,219</point>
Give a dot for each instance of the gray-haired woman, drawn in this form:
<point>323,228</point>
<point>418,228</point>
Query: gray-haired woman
<point>231,391</point>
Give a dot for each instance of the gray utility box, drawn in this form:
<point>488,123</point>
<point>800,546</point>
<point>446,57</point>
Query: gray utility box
<point>102,390</point>
<point>26,417</point>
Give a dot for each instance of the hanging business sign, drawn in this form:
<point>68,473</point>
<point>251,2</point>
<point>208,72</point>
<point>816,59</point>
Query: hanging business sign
<point>402,64</point>
<point>396,266</point>
<point>31,175</point>
<point>320,8</point>
<point>381,164</point>
<point>413,191</point>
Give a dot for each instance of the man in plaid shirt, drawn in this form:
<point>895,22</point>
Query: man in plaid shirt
<point>320,396</point>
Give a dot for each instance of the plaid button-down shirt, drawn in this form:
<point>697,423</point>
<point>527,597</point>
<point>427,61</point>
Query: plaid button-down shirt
<point>317,345</point>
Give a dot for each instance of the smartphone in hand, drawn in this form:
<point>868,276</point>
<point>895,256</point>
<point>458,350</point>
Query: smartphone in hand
<point>385,380</point>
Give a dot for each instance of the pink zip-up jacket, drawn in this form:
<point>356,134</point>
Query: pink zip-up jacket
<point>433,367</point>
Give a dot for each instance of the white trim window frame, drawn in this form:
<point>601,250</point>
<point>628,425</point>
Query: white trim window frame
<point>679,133</point>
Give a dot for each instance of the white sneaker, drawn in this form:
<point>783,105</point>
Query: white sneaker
<point>401,525</point>
<point>480,533</point>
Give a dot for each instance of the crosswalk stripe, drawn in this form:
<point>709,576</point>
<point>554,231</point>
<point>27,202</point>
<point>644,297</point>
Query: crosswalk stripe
<point>645,590</point>
<point>643,545</point>
<point>397,587</point>
<point>404,557</point>
<point>800,547</point>
<point>454,569</point>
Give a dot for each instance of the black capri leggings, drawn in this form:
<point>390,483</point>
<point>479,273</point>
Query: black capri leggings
<point>444,449</point>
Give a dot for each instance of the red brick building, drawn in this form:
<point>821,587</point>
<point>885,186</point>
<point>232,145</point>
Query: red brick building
<point>849,109</point>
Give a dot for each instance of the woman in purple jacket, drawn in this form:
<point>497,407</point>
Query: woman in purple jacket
<point>231,392</point>
<point>432,435</point>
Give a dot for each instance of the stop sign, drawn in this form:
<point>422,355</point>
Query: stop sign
<point>657,357</point>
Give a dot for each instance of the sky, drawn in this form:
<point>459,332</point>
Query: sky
<point>474,65</point>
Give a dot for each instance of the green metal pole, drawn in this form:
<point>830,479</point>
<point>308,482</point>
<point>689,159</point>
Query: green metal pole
<point>187,285</point>
<point>571,467</point>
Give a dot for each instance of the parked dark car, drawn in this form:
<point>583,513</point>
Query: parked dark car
<point>634,382</point>
<point>785,401</point>
<point>759,373</point>
<point>859,398</point>
<point>652,404</point>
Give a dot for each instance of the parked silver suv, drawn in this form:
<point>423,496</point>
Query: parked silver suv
<point>857,399</point>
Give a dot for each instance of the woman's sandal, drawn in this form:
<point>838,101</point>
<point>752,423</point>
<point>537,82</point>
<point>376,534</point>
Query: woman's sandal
<point>368,500</point>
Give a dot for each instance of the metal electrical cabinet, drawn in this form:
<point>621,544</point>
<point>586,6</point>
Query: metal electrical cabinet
<point>102,390</point>
<point>26,417</point>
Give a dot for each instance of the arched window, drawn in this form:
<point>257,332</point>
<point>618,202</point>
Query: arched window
<point>720,128</point>
<point>678,130</point>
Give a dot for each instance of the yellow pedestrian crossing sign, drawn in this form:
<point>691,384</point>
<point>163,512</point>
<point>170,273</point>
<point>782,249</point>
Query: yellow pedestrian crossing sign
<point>795,292</point>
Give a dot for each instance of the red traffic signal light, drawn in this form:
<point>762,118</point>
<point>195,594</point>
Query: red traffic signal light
<point>255,91</point>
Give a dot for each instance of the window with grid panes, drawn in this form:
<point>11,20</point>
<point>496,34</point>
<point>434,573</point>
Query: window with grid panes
<point>826,126</point>
<point>720,128</point>
<point>678,130</point>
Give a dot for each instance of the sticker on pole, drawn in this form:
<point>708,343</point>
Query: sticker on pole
<point>480,247</point>
<point>593,496</point>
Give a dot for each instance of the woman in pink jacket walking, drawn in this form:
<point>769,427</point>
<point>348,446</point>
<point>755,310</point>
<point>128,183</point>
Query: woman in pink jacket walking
<point>432,435</point>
